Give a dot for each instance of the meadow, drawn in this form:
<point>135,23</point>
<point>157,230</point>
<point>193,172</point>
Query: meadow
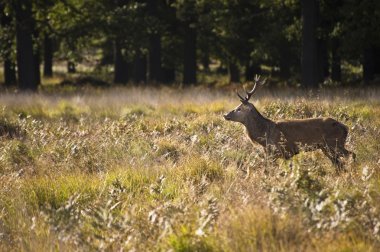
<point>159,169</point>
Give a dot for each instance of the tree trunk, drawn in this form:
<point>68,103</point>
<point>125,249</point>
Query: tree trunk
<point>309,61</point>
<point>139,69</point>
<point>9,72</point>
<point>190,56</point>
<point>120,65</point>
<point>155,69</point>
<point>368,64</point>
<point>336,70</point>
<point>37,71</point>
<point>154,58</point>
<point>9,65</point>
<point>168,75</point>
<point>25,60</point>
<point>285,60</point>
<point>233,72</point>
<point>48,56</point>
<point>323,60</point>
<point>376,50</point>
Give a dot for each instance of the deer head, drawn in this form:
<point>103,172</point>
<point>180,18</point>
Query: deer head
<point>245,109</point>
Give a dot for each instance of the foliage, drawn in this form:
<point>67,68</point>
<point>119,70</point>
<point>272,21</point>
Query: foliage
<point>265,35</point>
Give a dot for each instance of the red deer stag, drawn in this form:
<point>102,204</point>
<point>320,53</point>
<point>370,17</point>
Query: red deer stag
<point>286,138</point>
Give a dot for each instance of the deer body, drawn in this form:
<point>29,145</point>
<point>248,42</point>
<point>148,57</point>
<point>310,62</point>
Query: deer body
<point>286,138</point>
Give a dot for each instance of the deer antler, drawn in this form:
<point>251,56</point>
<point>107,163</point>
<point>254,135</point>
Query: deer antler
<point>250,93</point>
<point>241,98</point>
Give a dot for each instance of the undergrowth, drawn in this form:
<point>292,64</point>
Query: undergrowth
<point>125,170</point>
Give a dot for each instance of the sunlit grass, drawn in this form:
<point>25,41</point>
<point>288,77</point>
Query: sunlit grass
<point>160,169</point>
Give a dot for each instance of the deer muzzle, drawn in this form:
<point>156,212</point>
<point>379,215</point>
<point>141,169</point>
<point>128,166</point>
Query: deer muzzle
<point>227,117</point>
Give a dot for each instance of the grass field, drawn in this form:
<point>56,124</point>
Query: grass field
<point>159,169</point>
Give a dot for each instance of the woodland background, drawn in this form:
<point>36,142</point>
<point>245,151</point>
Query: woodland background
<point>191,41</point>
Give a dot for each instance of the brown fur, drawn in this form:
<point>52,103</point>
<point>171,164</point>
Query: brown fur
<point>286,138</point>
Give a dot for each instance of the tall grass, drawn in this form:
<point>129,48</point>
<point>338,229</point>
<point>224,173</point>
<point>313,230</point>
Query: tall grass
<point>159,169</point>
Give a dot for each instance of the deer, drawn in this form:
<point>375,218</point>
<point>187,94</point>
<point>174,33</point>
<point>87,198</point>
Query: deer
<point>286,138</point>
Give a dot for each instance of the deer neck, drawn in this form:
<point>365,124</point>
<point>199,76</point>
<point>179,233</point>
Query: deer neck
<point>258,127</point>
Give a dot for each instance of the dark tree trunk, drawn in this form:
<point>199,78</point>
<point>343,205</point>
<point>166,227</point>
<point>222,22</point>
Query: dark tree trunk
<point>37,71</point>
<point>71,67</point>
<point>155,54</point>
<point>336,70</point>
<point>233,72</point>
<point>36,54</point>
<point>368,64</point>
<point>9,72</point>
<point>285,60</point>
<point>139,69</point>
<point>323,60</point>
<point>155,69</point>
<point>48,56</point>
<point>169,75</point>
<point>25,58</point>
<point>120,65</point>
<point>190,56</point>
<point>309,61</point>
<point>376,50</point>
<point>9,65</point>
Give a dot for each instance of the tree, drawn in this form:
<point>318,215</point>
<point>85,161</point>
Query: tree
<point>155,68</point>
<point>44,9</point>
<point>237,35</point>
<point>120,65</point>
<point>309,62</point>
<point>278,43</point>
<point>123,25</point>
<point>188,21</point>
<point>139,68</point>
<point>336,69</point>
<point>7,47</point>
<point>48,55</point>
<point>25,57</point>
<point>172,52</point>
<point>190,54</point>
<point>360,34</point>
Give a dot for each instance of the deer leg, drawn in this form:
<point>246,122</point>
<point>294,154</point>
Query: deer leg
<point>336,150</point>
<point>333,156</point>
<point>347,153</point>
<point>353,154</point>
<point>270,156</point>
<point>284,151</point>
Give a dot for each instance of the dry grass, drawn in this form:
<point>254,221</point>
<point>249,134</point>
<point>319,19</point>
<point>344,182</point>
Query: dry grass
<point>159,169</point>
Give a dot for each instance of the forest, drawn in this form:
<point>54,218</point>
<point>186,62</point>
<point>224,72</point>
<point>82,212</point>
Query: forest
<point>192,41</point>
<point>120,131</point>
